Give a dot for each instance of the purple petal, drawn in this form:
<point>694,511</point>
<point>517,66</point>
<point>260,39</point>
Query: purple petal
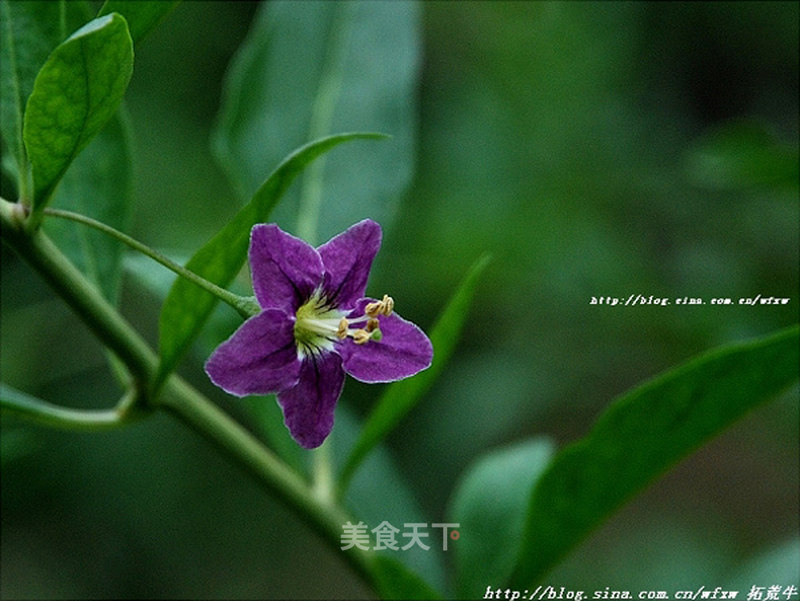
<point>285,269</point>
<point>403,351</point>
<point>308,406</point>
<point>260,357</point>
<point>347,259</point>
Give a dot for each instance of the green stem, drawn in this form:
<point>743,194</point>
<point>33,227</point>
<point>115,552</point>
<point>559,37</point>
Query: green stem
<point>20,404</point>
<point>322,472</point>
<point>244,305</point>
<point>325,517</point>
<point>177,396</point>
<point>83,297</point>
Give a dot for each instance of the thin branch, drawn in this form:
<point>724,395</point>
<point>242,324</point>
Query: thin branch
<point>177,397</point>
<point>243,305</point>
<point>14,402</point>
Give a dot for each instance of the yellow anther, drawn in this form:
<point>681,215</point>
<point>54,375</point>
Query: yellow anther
<point>372,324</point>
<point>342,331</point>
<point>381,307</point>
<point>361,336</point>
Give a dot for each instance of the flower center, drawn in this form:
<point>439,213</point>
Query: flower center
<point>318,325</point>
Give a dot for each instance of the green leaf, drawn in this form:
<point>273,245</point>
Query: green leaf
<point>97,184</point>
<point>75,93</point>
<point>28,32</point>
<point>380,493</point>
<point>311,68</point>
<point>142,16</point>
<point>641,435</point>
<point>396,581</point>
<point>187,307</point>
<point>777,565</point>
<point>490,504</point>
<point>402,396</point>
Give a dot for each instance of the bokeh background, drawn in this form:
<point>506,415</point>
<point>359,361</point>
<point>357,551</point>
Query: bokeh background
<point>594,149</point>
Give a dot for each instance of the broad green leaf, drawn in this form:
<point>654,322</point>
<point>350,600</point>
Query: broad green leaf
<point>97,184</point>
<point>75,93</point>
<point>402,396</point>
<point>187,306</point>
<point>641,435</point>
<point>396,581</point>
<point>142,16</point>
<point>28,32</point>
<point>308,69</point>
<point>779,565</point>
<point>380,493</point>
<point>490,504</point>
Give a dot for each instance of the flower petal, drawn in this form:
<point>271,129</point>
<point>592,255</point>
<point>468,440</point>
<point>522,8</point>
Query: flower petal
<point>347,259</point>
<point>308,406</point>
<point>403,350</point>
<point>259,358</point>
<point>285,269</point>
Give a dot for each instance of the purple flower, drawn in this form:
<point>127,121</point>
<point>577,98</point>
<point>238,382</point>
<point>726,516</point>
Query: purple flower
<point>315,324</point>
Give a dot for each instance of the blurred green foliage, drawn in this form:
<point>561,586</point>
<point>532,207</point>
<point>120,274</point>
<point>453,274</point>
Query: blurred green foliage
<point>594,149</point>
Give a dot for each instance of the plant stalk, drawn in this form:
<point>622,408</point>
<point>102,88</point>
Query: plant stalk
<point>243,305</point>
<point>177,396</point>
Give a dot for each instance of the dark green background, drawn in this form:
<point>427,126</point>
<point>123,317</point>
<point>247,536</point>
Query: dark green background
<point>570,140</point>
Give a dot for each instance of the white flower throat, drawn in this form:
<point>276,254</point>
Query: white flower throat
<point>318,325</point>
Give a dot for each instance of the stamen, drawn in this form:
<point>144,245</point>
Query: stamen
<point>381,307</point>
<point>318,325</point>
<point>361,336</point>
<point>341,333</point>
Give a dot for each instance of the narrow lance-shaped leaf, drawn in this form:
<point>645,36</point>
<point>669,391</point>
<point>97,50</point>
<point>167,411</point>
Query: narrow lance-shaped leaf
<point>142,16</point>
<point>187,306</point>
<point>306,70</point>
<point>641,435</point>
<point>75,93</point>
<point>400,397</point>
